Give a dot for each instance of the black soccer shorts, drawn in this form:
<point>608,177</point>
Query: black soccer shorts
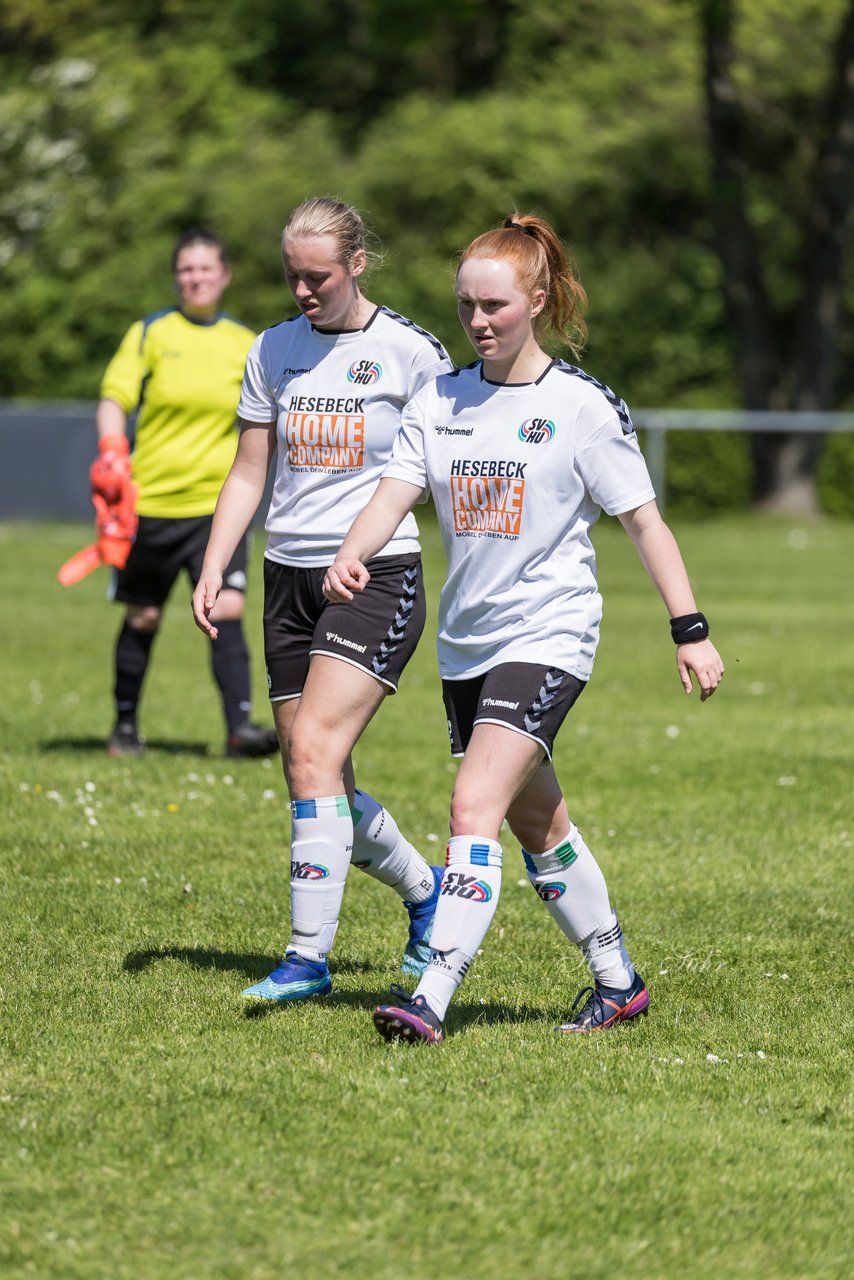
<point>377,630</point>
<point>522,696</point>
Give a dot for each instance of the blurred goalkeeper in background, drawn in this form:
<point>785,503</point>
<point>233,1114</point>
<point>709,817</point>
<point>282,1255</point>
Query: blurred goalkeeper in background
<point>182,367</point>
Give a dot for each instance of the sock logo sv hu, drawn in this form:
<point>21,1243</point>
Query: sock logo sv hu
<point>551,891</point>
<point>455,882</point>
<point>308,871</point>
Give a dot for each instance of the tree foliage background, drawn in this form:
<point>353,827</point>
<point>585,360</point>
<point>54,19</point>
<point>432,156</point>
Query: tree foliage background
<point>120,125</point>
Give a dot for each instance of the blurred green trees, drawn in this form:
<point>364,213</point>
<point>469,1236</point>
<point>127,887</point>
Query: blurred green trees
<point>122,124</point>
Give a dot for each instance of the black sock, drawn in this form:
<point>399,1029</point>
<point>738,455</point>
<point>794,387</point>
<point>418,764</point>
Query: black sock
<point>133,650</point>
<point>230,662</point>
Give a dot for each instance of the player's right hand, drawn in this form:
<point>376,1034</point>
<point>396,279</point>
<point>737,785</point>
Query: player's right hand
<point>204,598</point>
<point>343,578</point>
<point>110,473</point>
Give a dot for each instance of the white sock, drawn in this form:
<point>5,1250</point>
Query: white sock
<point>471,887</point>
<point>321,846</point>
<point>380,850</point>
<point>608,958</point>
<point>441,978</point>
<point>570,882</point>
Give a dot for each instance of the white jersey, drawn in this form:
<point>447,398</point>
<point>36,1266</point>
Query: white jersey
<point>519,474</point>
<point>337,399</point>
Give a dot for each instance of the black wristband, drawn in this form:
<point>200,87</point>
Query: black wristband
<point>688,628</point>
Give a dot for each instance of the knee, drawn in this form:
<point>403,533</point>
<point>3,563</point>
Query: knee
<point>145,618</point>
<point>466,814</point>
<point>307,765</point>
<point>299,762</point>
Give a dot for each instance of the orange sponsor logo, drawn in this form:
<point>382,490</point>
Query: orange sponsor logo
<point>487,504</point>
<point>335,441</point>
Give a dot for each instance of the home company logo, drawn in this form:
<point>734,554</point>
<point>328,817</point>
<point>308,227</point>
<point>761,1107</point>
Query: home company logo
<point>487,497</point>
<point>325,434</point>
<point>537,431</point>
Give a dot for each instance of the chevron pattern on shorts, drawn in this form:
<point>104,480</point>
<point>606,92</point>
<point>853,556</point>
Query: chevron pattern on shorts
<point>544,699</point>
<point>397,630</point>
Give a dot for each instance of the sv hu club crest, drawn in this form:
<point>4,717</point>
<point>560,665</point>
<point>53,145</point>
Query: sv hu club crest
<point>537,431</point>
<point>364,372</point>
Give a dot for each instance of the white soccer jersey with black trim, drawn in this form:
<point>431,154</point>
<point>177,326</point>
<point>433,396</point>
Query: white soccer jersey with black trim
<point>337,399</point>
<point>519,474</point>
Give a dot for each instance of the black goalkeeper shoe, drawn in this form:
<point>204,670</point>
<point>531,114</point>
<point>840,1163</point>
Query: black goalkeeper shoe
<point>125,740</point>
<point>251,741</point>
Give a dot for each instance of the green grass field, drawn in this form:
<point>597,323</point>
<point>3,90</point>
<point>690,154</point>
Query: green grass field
<point>151,1129</point>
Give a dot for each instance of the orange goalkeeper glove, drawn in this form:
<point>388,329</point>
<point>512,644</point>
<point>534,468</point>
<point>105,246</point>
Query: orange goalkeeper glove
<point>110,471</point>
<point>116,523</point>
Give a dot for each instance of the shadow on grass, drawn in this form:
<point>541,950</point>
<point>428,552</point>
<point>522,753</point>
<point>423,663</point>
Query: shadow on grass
<point>253,966</point>
<point>99,746</point>
<point>249,964</point>
<point>460,1017</point>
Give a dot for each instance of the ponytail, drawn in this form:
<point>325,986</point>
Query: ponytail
<point>540,261</point>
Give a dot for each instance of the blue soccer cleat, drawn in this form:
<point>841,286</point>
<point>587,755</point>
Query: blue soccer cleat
<point>295,979</point>
<point>606,1006</point>
<point>411,1019</point>
<point>417,952</point>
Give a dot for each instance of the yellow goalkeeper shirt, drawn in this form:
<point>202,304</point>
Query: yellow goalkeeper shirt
<point>185,376</point>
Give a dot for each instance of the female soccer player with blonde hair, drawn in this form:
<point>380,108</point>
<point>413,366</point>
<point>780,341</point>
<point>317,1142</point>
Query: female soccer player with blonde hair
<point>327,387</point>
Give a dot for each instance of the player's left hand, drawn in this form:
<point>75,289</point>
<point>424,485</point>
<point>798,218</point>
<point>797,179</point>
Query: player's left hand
<point>343,578</point>
<point>702,660</point>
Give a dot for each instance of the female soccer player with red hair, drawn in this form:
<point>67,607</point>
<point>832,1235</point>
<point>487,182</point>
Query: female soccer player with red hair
<point>521,452</point>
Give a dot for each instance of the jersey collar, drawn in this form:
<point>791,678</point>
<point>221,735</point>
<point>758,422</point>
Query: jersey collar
<point>535,383</point>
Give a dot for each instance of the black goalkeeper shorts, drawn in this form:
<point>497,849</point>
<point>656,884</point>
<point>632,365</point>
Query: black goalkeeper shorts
<point>161,549</point>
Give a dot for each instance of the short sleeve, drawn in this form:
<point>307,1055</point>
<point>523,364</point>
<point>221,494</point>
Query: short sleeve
<point>430,361</point>
<point>407,460</point>
<point>257,399</point>
<point>613,468</point>
<point>126,372</point>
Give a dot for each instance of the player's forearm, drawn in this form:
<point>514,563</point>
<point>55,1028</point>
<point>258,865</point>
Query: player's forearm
<point>237,503</point>
<point>662,559</point>
<point>110,419</point>
<point>376,525</point>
